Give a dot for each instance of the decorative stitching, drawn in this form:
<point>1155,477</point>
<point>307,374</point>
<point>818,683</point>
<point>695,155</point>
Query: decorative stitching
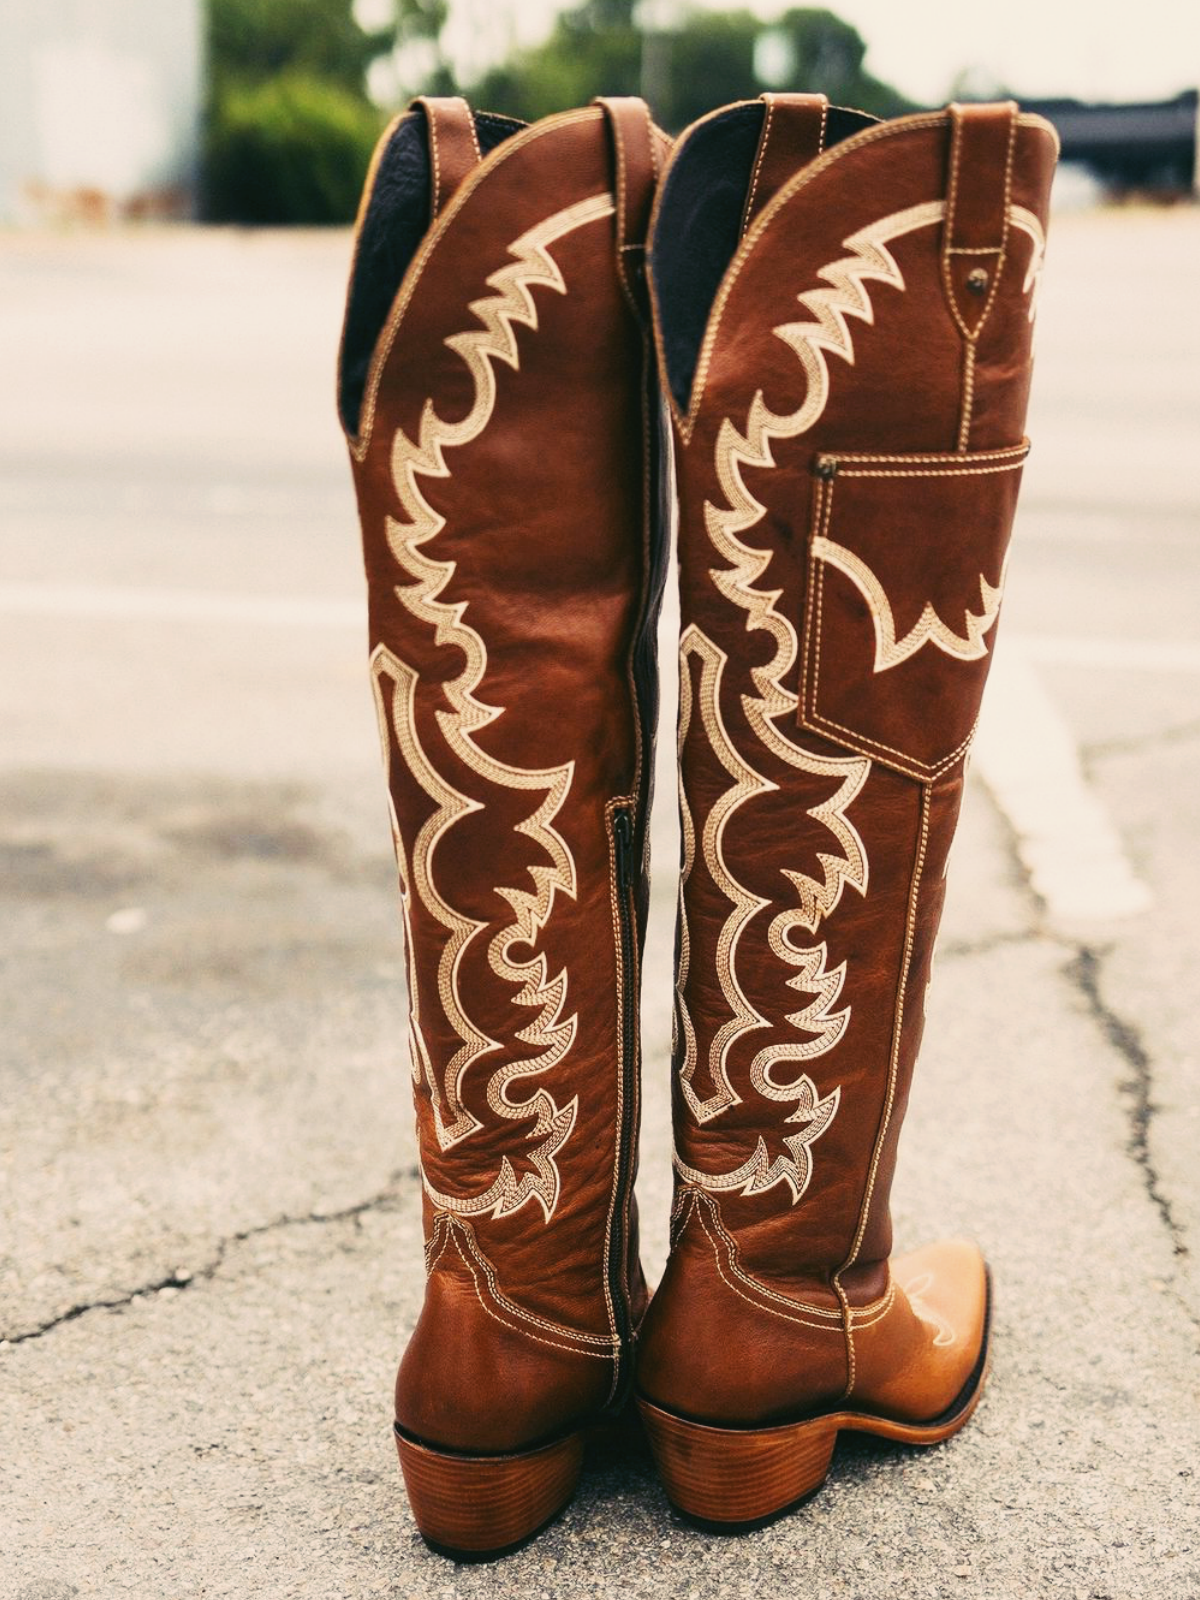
<point>551,1034</point>
<point>830,1317</point>
<point>431,1260</point>
<point>764,137</point>
<point>631,802</point>
<point>622,206</point>
<point>734,1256</point>
<point>759,228</point>
<point>914,1292</point>
<point>968,395</point>
<point>826,332</point>
<point>938,472</point>
<point>929,628</point>
<point>472,130</point>
<point>686,421</point>
<point>622,215</point>
<point>758,1172</point>
<point>920,461</point>
<point>610,811</point>
<point>555,1344</point>
<point>893,1069</point>
<point>758,1304</point>
<point>359,444</point>
<point>868,1316</point>
<point>903,762</point>
<point>948,226</point>
<point>971,336</point>
<point>464,1232</point>
<point>654,157</point>
<point>431,123</point>
<point>925,466</point>
<point>817,899</point>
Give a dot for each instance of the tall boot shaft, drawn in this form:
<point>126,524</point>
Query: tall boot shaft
<point>498,395</point>
<point>844,314</point>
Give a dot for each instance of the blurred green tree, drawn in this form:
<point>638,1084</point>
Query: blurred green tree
<point>289,127</point>
<point>250,41</point>
<point>705,59</point>
<point>291,149</point>
<point>290,124</point>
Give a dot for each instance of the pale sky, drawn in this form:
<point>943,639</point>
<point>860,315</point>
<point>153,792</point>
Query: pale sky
<point>1091,48</point>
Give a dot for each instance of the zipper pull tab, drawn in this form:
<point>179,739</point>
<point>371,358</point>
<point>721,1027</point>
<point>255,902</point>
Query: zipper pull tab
<point>623,839</point>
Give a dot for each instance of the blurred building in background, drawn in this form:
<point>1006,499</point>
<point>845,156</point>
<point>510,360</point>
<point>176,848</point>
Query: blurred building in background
<point>100,108</point>
<point>1145,147</point>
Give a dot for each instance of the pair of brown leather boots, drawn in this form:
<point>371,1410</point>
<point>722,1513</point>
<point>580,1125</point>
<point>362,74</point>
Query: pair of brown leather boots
<point>838,314</point>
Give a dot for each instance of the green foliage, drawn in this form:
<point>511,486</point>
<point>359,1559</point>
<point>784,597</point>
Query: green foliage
<point>250,41</point>
<point>420,19</point>
<point>289,129</point>
<point>568,70</point>
<point>292,149</point>
<point>713,50</point>
<point>708,59</point>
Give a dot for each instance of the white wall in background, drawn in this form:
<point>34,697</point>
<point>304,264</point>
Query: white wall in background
<point>99,107</point>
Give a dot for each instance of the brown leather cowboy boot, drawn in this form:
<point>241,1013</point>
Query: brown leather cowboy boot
<point>497,387</point>
<point>844,312</point>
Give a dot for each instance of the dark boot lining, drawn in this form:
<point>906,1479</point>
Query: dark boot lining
<point>699,226</point>
<point>396,221</point>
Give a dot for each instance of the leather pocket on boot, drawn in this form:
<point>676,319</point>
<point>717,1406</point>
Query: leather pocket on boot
<point>906,563</point>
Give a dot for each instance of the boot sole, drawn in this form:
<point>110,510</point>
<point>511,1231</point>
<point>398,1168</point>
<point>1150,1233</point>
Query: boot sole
<point>731,1480</point>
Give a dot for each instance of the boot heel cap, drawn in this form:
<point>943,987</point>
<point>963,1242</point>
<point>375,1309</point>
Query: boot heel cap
<point>472,1508</point>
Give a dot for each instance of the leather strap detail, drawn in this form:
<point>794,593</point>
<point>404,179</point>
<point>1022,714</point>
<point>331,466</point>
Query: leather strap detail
<point>454,150</point>
<point>793,134</point>
<point>978,203</point>
<point>635,153</point>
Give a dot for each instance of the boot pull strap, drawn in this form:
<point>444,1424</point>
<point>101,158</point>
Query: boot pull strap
<point>978,202</point>
<point>793,134</point>
<point>454,150</point>
<point>635,152</point>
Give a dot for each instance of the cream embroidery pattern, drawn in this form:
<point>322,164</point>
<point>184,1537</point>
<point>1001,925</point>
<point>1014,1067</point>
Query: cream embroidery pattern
<point>825,331</point>
<point>929,628</point>
<point>550,1032</point>
<point>916,1289</point>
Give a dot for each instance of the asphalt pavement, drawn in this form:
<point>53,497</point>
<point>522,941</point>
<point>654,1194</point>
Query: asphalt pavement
<point>209,1204</point>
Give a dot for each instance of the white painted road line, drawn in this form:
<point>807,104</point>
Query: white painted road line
<point>1025,753</point>
<point>181,605</point>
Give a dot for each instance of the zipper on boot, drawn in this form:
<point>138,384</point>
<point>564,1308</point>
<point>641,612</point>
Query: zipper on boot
<point>618,1277</point>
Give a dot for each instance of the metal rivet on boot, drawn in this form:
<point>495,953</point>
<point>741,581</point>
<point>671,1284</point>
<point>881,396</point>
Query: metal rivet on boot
<point>978,280</point>
<point>825,466</point>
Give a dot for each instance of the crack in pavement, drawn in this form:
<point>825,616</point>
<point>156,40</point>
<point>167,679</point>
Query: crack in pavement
<point>385,1200</point>
<point>1084,972</point>
<point>1138,1088</point>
